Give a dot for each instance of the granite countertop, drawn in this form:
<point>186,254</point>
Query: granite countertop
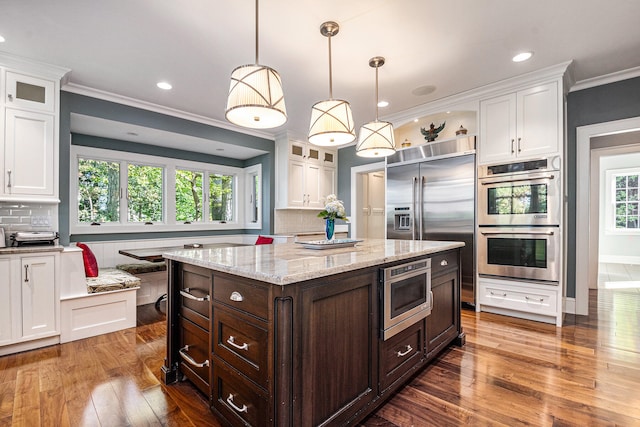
<point>286,263</point>
<point>28,249</point>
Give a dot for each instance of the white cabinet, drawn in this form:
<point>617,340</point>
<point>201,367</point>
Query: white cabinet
<point>305,174</point>
<point>521,125</point>
<point>30,303</point>
<point>38,296</point>
<point>29,131</point>
<point>29,154</point>
<point>527,300</point>
<point>29,93</point>
<point>6,312</point>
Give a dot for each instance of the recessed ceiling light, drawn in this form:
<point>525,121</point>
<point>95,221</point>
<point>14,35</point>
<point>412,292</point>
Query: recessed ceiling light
<point>2,40</point>
<point>522,56</point>
<point>132,134</point>
<point>164,85</point>
<point>423,90</point>
<point>415,120</point>
<point>383,104</point>
<point>219,149</point>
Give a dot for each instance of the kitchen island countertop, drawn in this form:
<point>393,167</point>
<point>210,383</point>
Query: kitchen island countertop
<point>282,264</point>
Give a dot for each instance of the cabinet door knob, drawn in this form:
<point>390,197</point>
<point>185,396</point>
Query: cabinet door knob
<point>10,96</point>
<point>190,360</point>
<point>9,180</point>
<point>186,292</point>
<point>444,263</point>
<point>519,149</point>
<point>236,296</point>
<point>512,149</point>
<point>26,273</point>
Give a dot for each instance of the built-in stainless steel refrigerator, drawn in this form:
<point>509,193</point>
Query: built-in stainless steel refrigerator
<point>431,196</point>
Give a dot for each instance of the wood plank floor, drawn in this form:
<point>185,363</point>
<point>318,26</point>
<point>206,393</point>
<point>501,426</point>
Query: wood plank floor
<point>511,372</point>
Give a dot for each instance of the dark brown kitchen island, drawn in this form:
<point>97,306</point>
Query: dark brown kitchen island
<point>282,335</point>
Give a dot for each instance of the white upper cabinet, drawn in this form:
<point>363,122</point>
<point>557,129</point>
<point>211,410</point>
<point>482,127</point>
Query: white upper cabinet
<point>29,131</point>
<point>305,174</point>
<point>30,93</point>
<point>29,154</point>
<point>520,125</point>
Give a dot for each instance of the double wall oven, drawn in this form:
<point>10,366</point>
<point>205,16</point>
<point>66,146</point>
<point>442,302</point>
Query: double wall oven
<point>519,209</point>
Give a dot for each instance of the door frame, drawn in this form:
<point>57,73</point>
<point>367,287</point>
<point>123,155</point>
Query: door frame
<point>355,207</point>
<point>586,244</point>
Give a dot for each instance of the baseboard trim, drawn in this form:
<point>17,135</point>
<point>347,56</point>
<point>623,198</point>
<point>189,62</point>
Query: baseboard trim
<point>569,305</point>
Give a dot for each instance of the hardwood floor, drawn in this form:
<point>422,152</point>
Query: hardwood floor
<point>511,372</point>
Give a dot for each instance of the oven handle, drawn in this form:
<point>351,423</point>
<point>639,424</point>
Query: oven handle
<point>519,180</point>
<point>545,233</point>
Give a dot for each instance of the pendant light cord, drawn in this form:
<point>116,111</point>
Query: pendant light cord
<point>330,76</point>
<point>377,93</point>
<point>257,61</point>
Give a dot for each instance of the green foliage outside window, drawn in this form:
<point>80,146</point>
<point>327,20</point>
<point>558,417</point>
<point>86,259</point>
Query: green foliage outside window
<point>98,191</point>
<point>221,197</point>
<point>627,201</point>
<point>188,196</point>
<point>144,192</point>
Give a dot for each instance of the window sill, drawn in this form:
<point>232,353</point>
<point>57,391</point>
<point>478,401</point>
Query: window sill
<point>157,228</point>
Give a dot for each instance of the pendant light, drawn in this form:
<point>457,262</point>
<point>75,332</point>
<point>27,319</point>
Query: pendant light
<point>256,98</point>
<point>331,120</point>
<point>376,138</point>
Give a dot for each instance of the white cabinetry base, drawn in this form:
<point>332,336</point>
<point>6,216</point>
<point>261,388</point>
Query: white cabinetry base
<point>527,300</point>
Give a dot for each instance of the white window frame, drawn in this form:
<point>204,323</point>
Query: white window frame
<point>250,198</point>
<point>169,205</point>
<point>610,206</point>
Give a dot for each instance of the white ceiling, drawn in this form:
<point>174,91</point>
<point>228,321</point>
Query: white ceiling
<point>126,47</point>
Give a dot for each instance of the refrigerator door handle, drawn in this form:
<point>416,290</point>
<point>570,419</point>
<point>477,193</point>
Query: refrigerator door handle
<point>422,183</point>
<point>414,207</point>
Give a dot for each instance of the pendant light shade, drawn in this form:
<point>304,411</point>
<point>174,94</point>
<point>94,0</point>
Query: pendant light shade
<point>331,120</point>
<point>256,98</point>
<point>376,138</point>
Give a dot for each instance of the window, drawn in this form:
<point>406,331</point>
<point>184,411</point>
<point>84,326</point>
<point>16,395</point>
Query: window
<point>626,201</point>
<point>188,196</point>
<point>127,192</point>
<point>144,193</point>
<point>98,191</point>
<point>221,197</point>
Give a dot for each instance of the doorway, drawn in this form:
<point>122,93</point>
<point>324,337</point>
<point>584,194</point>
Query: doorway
<point>593,140</point>
<point>368,199</point>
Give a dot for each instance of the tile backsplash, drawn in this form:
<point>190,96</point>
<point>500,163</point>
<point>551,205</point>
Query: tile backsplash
<point>25,216</point>
<point>288,221</point>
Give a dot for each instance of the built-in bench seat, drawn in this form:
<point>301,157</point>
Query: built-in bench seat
<point>111,279</point>
<point>153,280</point>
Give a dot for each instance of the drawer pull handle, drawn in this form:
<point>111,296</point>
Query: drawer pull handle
<point>533,299</point>
<point>444,263</point>
<point>186,292</point>
<point>504,294</point>
<point>232,341</point>
<point>407,351</point>
<point>190,359</point>
<point>236,296</point>
<point>233,405</point>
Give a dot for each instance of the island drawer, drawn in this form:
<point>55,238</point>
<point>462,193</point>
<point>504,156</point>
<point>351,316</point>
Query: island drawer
<point>443,262</point>
<point>242,342</point>
<point>195,295</point>
<point>401,353</point>
<point>237,399</point>
<point>242,295</point>
<point>194,355</point>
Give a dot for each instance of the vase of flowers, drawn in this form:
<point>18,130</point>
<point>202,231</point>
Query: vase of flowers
<point>333,209</point>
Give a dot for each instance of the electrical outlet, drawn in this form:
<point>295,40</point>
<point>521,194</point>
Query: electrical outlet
<point>40,221</point>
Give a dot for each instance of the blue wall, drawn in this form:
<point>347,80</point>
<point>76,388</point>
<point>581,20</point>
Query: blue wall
<point>600,104</point>
<point>74,103</point>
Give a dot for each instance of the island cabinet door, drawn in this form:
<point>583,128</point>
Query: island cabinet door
<point>443,324</point>
<point>338,348</point>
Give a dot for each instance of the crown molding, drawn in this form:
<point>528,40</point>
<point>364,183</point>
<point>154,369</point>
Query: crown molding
<point>469,99</point>
<point>606,79</point>
<point>41,69</point>
<point>156,108</point>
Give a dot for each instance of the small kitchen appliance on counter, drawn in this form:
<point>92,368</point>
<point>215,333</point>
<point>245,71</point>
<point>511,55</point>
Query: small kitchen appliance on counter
<point>21,238</point>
